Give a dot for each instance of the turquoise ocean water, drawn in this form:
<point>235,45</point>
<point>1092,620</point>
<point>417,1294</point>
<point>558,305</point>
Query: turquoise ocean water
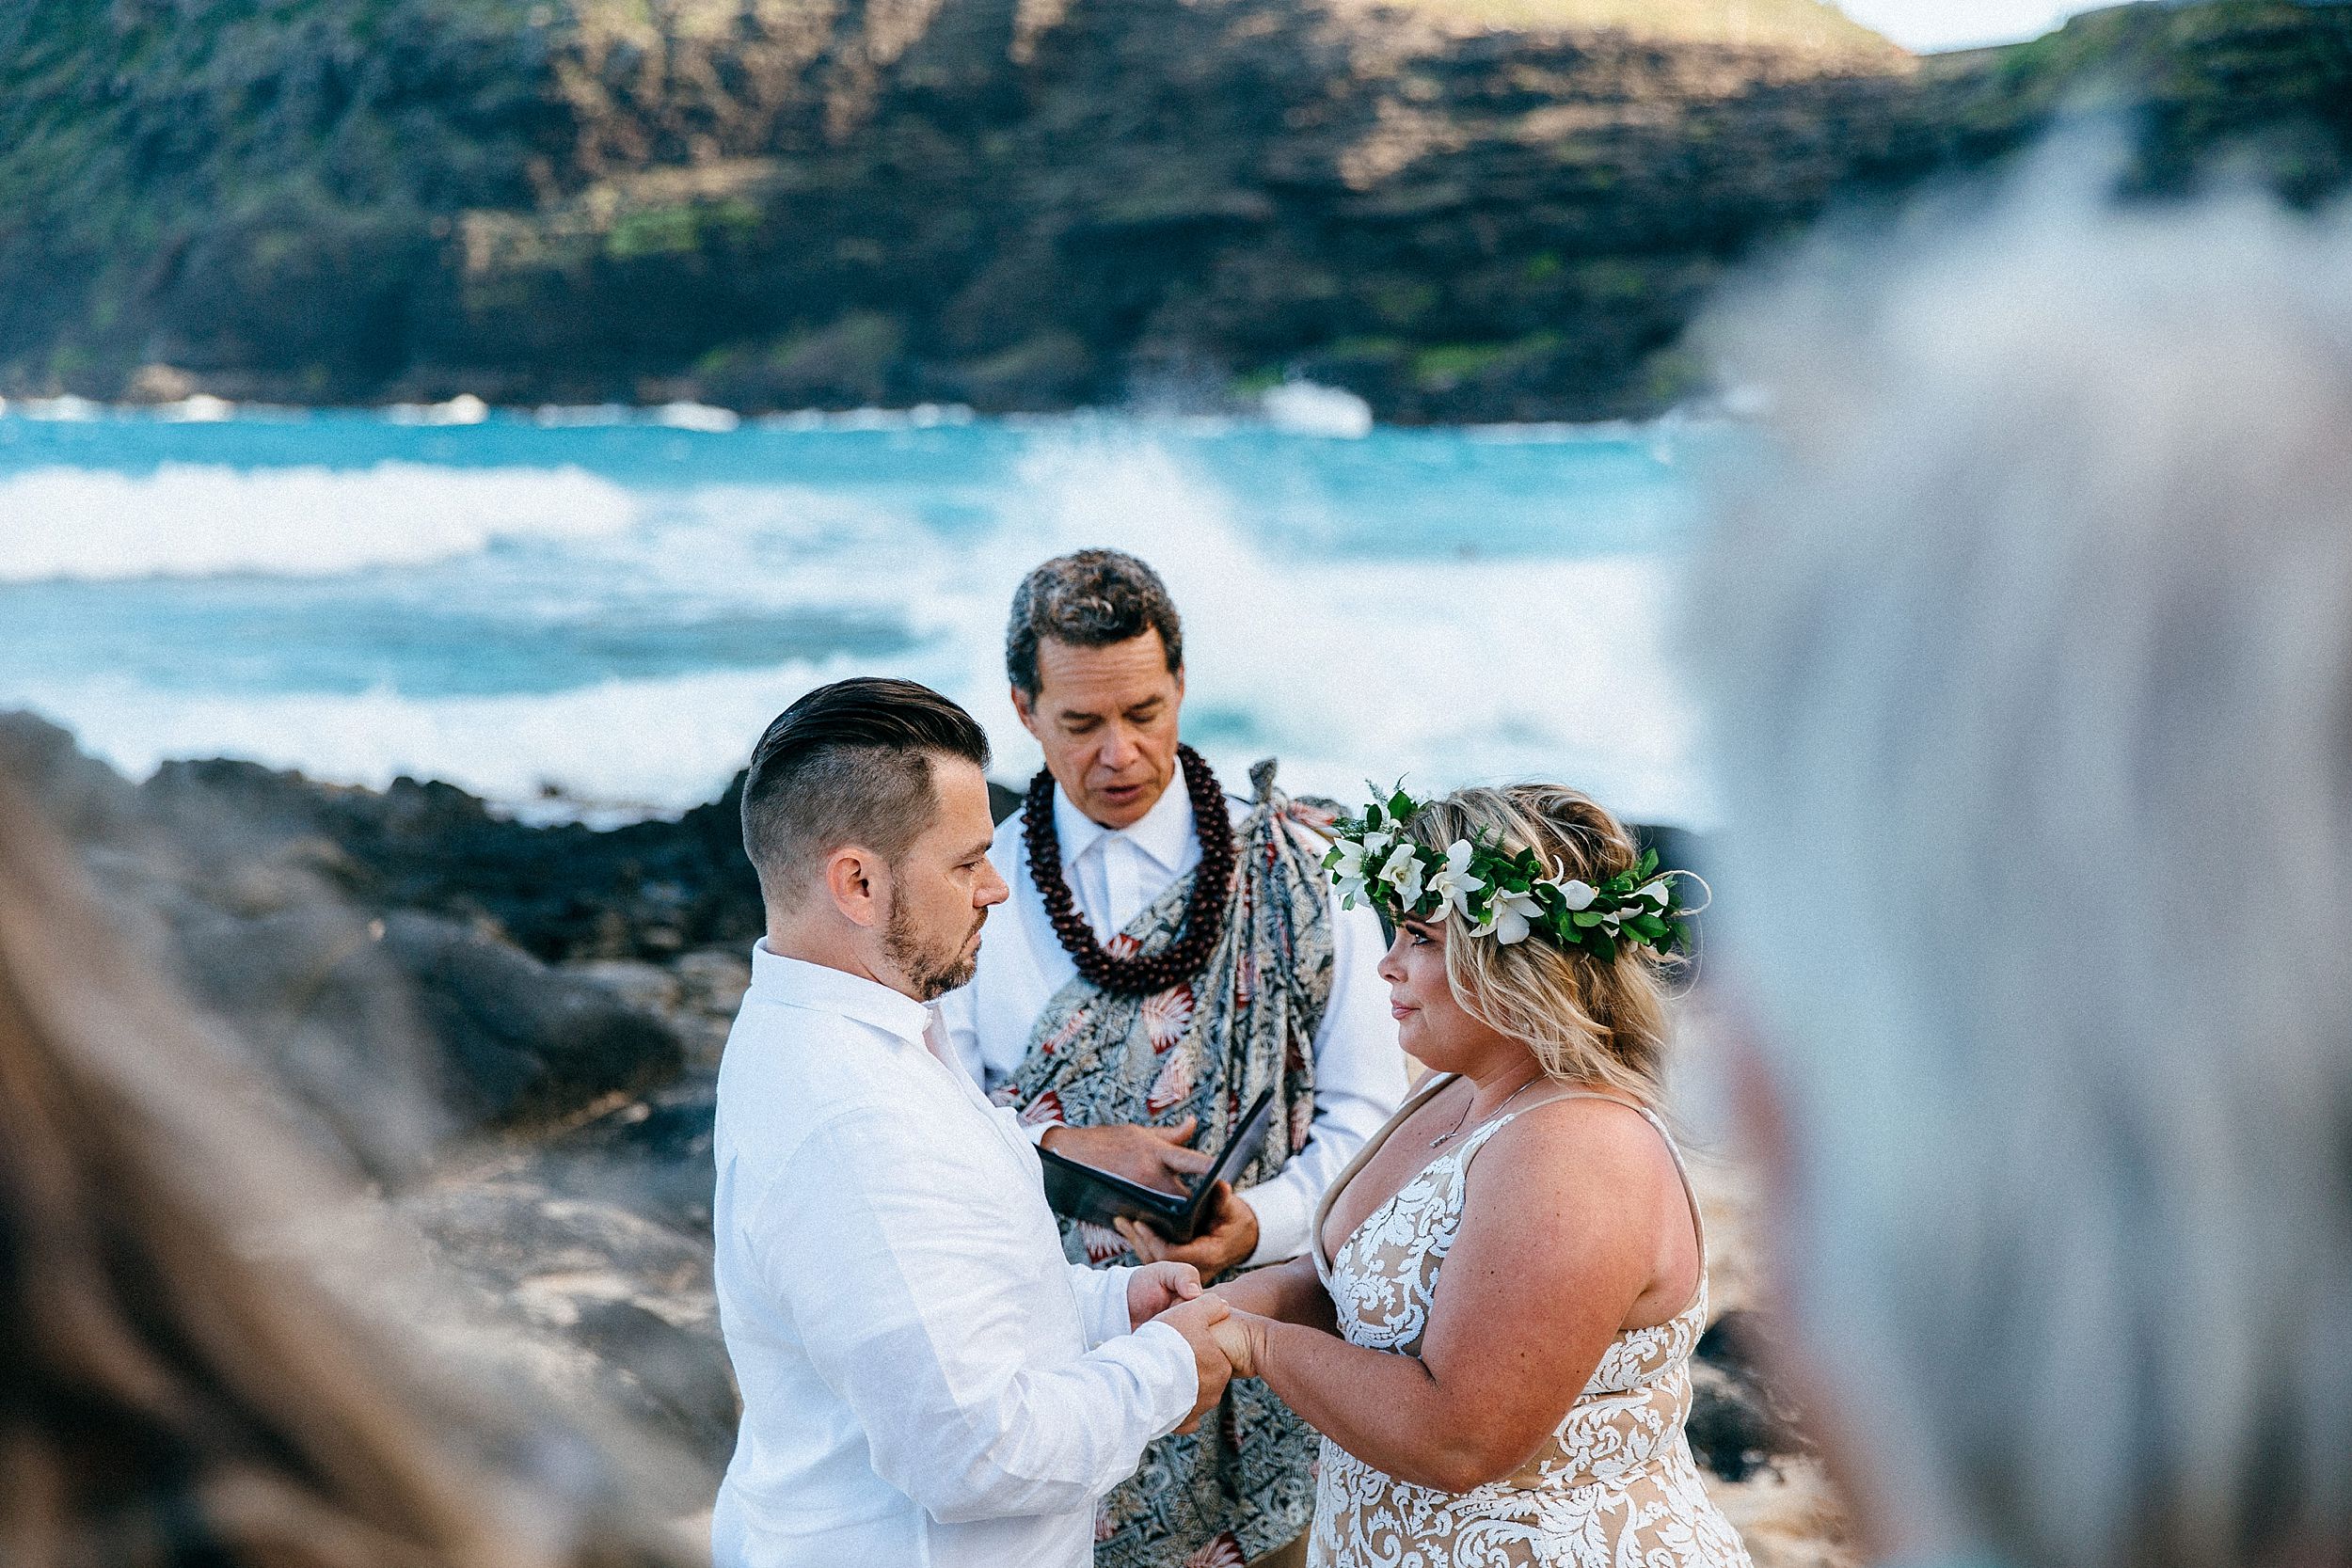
<point>589,613</point>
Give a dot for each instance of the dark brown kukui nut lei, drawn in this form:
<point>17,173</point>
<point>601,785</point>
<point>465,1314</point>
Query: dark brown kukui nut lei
<point>1204,909</point>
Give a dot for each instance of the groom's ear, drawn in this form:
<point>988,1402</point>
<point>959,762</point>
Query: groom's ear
<point>1024,710</point>
<point>853,879</point>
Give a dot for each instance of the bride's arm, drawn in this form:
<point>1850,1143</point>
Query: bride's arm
<point>1539,1281</point>
<point>1289,1292</point>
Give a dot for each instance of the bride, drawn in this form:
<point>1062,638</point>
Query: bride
<point>1493,1327</point>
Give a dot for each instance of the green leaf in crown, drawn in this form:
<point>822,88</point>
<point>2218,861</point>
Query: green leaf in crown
<point>1504,893</point>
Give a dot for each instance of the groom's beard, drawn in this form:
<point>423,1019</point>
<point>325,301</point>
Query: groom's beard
<point>933,972</point>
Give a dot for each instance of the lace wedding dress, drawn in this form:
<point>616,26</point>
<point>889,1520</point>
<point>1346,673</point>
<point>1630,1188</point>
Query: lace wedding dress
<point>1616,1484</point>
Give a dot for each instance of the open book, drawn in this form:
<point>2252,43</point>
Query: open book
<point>1097,1196</point>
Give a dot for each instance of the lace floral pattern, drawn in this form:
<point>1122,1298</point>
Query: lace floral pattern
<point>1616,1487</point>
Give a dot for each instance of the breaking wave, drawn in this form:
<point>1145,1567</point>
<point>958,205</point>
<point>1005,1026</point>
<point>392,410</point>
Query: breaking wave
<point>201,520</point>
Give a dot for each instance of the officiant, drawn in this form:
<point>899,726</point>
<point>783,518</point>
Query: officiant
<point>1167,951</point>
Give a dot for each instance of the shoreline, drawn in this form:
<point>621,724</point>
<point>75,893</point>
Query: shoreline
<point>1327,412</point>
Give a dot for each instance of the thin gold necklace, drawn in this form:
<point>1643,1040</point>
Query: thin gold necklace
<point>1444,1138</point>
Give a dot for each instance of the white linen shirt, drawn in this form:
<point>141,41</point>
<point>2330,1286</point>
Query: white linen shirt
<point>925,1380</point>
<point>1114,875</point>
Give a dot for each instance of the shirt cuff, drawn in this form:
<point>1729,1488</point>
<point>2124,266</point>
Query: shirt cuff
<point>1037,1129</point>
<point>1164,1360</point>
<point>1106,1310</point>
<point>1284,1218</point>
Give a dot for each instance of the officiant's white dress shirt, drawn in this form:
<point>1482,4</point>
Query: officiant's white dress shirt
<point>1114,875</point>
<point>925,1380</point>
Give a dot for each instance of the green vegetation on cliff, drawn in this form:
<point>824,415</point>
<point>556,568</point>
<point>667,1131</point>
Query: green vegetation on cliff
<point>1811,25</point>
<point>1479,209</point>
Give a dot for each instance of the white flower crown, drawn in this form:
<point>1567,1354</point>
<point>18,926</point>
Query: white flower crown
<point>1503,894</point>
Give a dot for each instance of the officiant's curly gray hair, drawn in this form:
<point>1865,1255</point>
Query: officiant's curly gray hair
<point>1090,600</point>
<point>2030,671</point>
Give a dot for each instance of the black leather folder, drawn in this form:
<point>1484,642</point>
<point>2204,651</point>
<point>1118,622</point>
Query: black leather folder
<point>1084,1192</point>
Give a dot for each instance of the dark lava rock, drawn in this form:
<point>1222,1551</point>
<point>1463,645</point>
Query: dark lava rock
<point>391,1030</point>
<point>566,890</point>
<point>561,892</point>
<point>522,1041</point>
<point>1738,1421</point>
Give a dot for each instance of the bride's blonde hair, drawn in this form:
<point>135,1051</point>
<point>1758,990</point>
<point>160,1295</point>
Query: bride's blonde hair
<point>1588,1020</point>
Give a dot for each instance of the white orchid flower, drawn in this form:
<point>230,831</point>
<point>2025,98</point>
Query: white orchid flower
<point>1347,871</point>
<point>1508,917</point>
<point>1575,894</point>
<point>1374,843</point>
<point>1454,884</point>
<point>1402,874</point>
<point>1657,893</point>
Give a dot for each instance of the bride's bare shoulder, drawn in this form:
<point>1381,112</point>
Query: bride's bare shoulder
<point>1582,1143</point>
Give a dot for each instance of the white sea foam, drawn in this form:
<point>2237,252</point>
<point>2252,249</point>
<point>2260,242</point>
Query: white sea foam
<point>200,408</point>
<point>201,520</point>
<point>922,416</point>
<point>697,416</point>
<point>66,407</point>
<point>464,408</point>
<point>557,416</point>
<point>649,746</point>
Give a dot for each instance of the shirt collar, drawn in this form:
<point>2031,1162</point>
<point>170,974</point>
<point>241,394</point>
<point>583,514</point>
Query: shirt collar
<point>796,983</point>
<point>1161,832</point>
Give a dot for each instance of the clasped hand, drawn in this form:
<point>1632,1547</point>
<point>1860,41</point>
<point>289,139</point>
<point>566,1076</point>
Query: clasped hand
<point>1224,1342</point>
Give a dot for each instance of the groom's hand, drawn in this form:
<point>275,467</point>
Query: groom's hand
<point>1150,1156</point>
<point>1227,1242</point>
<point>1197,1319</point>
<point>1154,1288</point>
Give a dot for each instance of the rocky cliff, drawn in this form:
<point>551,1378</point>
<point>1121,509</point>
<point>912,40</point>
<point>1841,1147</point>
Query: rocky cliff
<point>1481,209</point>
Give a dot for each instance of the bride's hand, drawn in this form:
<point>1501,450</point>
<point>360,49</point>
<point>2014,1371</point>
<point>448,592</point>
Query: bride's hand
<point>1242,1337</point>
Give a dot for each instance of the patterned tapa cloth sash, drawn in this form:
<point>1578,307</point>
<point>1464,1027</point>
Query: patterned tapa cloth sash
<point>1240,1486</point>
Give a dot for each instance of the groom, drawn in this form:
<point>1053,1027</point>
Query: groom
<point>1167,953</point>
<point>924,1378</point>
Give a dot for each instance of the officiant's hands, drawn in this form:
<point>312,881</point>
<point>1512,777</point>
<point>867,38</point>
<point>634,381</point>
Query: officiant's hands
<point>1225,1241</point>
<point>1198,1320</point>
<point>1154,1288</point>
<point>1149,1156</point>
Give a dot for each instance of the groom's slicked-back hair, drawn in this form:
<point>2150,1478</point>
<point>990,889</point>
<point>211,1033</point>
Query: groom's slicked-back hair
<point>850,763</point>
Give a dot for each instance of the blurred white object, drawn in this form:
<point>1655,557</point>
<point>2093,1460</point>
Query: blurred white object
<point>199,408</point>
<point>1303,408</point>
<point>2033,649</point>
<point>696,416</point>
